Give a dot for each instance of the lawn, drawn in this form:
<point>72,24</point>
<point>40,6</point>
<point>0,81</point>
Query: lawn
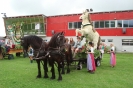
<point>20,73</point>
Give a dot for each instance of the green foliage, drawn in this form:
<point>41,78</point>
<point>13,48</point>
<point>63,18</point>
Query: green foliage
<point>17,46</point>
<point>96,53</point>
<point>3,49</point>
<point>107,49</point>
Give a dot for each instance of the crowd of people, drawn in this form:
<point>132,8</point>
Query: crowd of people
<point>91,67</point>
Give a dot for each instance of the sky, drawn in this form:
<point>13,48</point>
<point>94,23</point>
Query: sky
<point>58,7</point>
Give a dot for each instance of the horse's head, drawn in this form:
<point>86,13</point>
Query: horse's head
<point>60,39</point>
<point>85,15</point>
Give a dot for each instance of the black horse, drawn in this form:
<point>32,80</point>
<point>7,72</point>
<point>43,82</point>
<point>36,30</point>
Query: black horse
<point>40,48</point>
<point>52,52</point>
<point>56,53</point>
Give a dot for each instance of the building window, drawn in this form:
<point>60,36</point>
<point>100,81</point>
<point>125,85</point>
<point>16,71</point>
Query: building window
<point>119,23</point>
<point>130,23</point>
<point>79,24</point>
<point>96,24</point>
<point>112,23</point>
<point>110,40</point>
<point>74,25</point>
<point>107,24</point>
<point>125,23</point>
<point>127,42</point>
<point>70,25</point>
<point>103,40</point>
<point>101,24</point>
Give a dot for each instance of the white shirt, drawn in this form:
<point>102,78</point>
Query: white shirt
<point>92,50</point>
<point>113,48</point>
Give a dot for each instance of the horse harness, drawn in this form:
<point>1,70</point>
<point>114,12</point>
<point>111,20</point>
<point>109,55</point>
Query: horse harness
<point>83,25</point>
<point>38,51</point>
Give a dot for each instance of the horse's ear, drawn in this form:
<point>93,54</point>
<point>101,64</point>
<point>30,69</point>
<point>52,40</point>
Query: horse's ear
<point>91,9</point>
<point>87,10</point>
<point>62,33</point>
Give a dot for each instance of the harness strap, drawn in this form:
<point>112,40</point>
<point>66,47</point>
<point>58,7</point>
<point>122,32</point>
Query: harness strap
<point>39,49</point>
<point>86,24</point>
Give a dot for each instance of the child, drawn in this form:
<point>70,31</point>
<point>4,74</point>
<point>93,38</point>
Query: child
<point>31,54</point>
<point>91,67</point>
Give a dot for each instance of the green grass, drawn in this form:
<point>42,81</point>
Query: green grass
<point>20,73</point>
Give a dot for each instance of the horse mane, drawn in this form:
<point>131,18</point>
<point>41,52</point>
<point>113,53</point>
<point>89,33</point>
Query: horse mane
<point>33,40</point>
<point>89,18</point>
<point>52,42</point>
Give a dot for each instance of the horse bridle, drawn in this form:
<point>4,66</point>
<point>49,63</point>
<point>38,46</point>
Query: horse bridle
<point>39,49</point>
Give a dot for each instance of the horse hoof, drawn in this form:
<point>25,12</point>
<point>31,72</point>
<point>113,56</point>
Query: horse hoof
<point>63,73</point>
<point>52,78</point>
<point>68,72</point>
<point>59,79</point>
<point>46,77</point>
<point>38,76</point>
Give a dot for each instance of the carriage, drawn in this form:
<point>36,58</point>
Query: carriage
<point>81,58</point>
<point>20,26</point>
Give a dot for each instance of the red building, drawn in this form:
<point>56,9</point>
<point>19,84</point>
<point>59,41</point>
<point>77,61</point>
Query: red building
<point>114,27</point>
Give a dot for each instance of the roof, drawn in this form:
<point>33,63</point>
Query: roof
<point>39,15</point>
<point>26,16</point>
<point>94,13</point>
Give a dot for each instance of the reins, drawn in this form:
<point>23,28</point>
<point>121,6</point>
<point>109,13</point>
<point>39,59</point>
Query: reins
<point>39,49</point>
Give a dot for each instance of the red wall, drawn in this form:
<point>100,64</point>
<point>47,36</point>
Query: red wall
<point>60,23</point>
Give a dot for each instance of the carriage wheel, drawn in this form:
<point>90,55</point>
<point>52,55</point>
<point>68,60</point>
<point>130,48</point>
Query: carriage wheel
<point>10,56</point>
<point>18,54</point>
<point>97,62</point>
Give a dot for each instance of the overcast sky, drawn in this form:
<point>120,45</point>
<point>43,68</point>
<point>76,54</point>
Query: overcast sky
<point>57,7</point>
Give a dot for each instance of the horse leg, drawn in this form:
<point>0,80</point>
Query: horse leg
<point>39,69</point>
<point>59,69</point>
<point>63,71</point>
<point>53,70</point>
<point>45,69</point>
<point>68,64</point>
<point>78,31</point>
<point>81,32</point>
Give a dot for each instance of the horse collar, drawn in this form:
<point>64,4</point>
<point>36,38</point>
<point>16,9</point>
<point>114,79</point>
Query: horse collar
<point>83,25</point>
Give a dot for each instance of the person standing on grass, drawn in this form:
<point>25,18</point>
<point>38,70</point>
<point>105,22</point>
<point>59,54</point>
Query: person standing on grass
<point>91,67</point>
<point>30,53</point>
<point>102,50</point>
<point>112,56</point>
